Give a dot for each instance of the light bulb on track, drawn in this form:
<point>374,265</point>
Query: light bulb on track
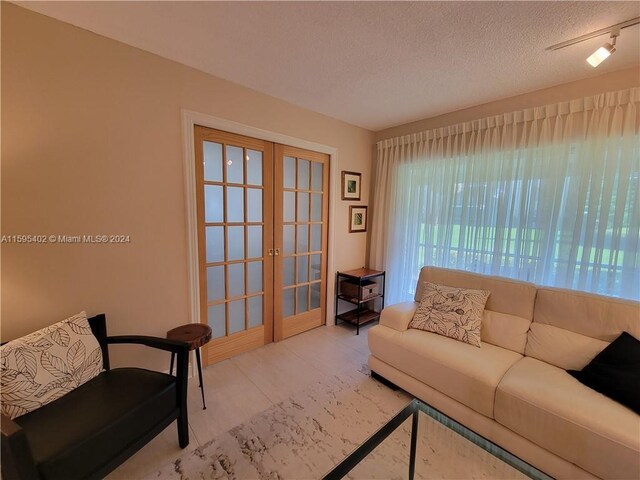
<point>605,51</point>
<point>600,55</point>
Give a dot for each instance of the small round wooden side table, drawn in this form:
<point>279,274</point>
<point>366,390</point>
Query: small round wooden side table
<point>196,335</point>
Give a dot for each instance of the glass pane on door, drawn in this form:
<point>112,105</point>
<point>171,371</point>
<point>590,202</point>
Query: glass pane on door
<point>215,283</point>
<point>216,319</point>
<point>303,174</point>
<point>212,161</point>
<point>254,167</point>
<point>235,164</point>
<point>315,295</point>
<point>288,302</point>
<point>255,241</point>
<point>303,299</point>
<point>235,243</point>
<point>255,311</point>
<point>213,201</point>
<point>235,204</point>
<point>316,176</point>
<point>236,316</point>
<point>289,172</point>
<point>215,244</point>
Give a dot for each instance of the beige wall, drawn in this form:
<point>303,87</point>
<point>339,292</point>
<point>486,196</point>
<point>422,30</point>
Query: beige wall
<point>92,144</point>
<point>608,82</point>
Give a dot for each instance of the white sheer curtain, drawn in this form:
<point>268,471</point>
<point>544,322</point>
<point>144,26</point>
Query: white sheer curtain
<point>548,195</point>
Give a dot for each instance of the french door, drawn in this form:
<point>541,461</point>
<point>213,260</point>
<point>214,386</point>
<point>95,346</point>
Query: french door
<point>234,197</point>
<point>262,240</point>
<point>301,213</point>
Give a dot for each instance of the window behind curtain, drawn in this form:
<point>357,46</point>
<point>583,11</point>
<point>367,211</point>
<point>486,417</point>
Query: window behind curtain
<point>547,195</point>
<point>545,215</point>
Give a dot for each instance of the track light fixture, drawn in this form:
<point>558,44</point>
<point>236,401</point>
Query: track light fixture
<point>605,51</point>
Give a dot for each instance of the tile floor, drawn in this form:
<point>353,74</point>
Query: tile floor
<point>243,386</point>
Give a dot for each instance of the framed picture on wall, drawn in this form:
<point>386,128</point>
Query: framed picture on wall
<point>357,219</point>
<point>351,185</point>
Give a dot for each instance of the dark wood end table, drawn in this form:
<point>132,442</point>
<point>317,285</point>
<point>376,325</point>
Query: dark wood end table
<point>196,335</point>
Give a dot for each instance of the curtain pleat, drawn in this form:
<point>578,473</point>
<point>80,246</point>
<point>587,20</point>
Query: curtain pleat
<point>548,195</point>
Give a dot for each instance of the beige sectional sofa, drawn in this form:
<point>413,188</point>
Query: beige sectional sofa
<point>514,389</point>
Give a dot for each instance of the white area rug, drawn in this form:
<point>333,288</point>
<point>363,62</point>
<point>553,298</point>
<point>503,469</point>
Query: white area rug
<point>306,436</point>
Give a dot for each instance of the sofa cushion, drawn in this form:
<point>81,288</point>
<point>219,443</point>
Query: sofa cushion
<point>615,372</point>
<point>463,372</point>
<point>507,296</point>
<point>505,330</point>
<point>451,311</point>
<point>44,365</point>
<point>114,409</point>
<point>592,315</point>
<point>546,405</point>
<point>560,347</point>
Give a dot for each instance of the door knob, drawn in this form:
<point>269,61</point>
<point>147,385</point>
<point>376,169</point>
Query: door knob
<point>270,251</point>
<point>277,252</point>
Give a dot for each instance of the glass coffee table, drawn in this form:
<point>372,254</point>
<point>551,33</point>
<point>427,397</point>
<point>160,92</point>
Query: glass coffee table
<point>421,442</point>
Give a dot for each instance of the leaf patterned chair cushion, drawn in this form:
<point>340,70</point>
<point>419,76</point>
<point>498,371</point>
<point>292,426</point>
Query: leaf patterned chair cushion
<point>45,365</point>
<point>453,312</point>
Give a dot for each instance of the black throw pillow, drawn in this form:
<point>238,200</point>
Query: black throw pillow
<point>615,372</point>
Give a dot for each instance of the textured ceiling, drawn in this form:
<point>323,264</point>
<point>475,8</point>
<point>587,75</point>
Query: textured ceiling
<point>372,64</point>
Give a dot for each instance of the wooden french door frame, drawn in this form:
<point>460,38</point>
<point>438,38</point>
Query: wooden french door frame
<point>190,119</point>
<point>229,345</point>
<point>286,327</point>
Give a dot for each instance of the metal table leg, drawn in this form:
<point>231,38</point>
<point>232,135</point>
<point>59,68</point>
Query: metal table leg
<point>204,406</point>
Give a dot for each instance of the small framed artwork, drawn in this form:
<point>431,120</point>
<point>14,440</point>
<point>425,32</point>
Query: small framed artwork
<point>351,185</point>
<point>357,219</point>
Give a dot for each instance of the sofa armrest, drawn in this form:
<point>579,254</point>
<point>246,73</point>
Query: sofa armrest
<point>17,461</point>
<point>398,316</point>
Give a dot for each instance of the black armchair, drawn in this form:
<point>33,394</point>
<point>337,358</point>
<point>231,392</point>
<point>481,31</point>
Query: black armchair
<point>91,430</point>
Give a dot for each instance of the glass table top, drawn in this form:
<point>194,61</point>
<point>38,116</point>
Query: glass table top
<point>421,442</point>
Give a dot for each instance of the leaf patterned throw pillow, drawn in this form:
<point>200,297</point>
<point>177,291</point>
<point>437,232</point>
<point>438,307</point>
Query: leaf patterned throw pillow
<point>453,312</point>
<point>45,365</point>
